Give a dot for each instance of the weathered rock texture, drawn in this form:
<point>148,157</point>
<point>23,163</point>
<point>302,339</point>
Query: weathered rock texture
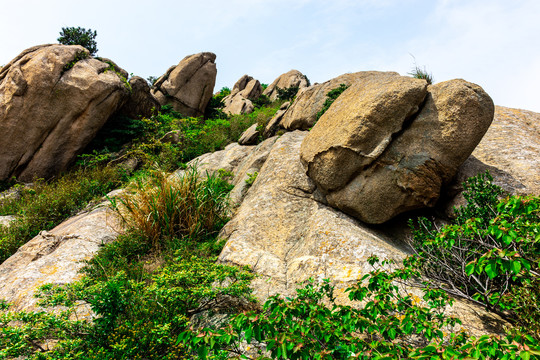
<point>55,257</point>
<point>376,159</point>
<point>188,86</point>
<point>284,81</point>
<point>51,107</point>
<point>359,126</point>
<point>285,232</point>
<point>302,115</point>
<point>512,144</point>
<point>141,102</point>
<point>239,100</point>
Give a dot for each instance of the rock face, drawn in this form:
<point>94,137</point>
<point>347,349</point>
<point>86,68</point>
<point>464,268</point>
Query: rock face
<point>303,113</point>
<point>141,103</point>
<point>284,231</point>
<point>284,81</point>
<point>55,256</point>
<point>376,161</point>
<point>512,144</point>
<point>188,86</point>
<point>53,100</point>
<point>238,101</point>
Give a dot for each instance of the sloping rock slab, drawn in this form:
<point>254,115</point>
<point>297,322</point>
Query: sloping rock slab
<point>55,257</point>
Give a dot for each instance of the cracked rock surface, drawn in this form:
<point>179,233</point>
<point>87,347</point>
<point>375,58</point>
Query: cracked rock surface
<point>389,143</point>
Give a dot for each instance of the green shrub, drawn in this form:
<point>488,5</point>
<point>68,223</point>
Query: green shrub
<point>287,93</point>
<point>490,255</point>
<point>261,101</point>
<point>385,323</point>
<point>79,36</point>
<point>215,105</point>
<point>47,204</point>
<point>134,319</point>
<point>251,178</point>
<point>331,96</point>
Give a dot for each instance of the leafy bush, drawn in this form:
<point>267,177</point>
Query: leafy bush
<point>134,319</point>
<point>490,255</point>
<point>163,208</point>
<point>46,204</point>
<point>385,323</point>
<point>331,96</point>
<point>79,36</point>
<point>261,101</point>
<point>287,93</point>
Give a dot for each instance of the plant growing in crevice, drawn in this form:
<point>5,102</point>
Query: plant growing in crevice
<point>331,96</point>
<point>251,177</point>
<point>81,55</point>
<point>421,73</point>
<point>287,93</point>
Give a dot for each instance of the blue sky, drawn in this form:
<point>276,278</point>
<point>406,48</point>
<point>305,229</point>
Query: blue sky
<point>493,43</point>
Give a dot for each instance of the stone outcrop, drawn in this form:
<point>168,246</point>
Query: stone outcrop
<point>188,86</point>
<point>141,102</point>
<point>303,113</point>
<point>55,257</point>
<point>285,81</point>
<point>359,126</point>
<point>286,233</point>
<point>512,144</point>
<point>239,100</point>
<point>53,101</point>
<point>375,160</point>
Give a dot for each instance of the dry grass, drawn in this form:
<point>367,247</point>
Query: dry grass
<point>164,208</point>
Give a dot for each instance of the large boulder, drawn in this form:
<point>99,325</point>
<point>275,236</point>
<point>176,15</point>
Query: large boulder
<point>292,78</point>
<point>141,102</point>
<point>53,101</point>
<point>188,86</point>
<point>359,126</point>
<point>406,170</point>
<point>239,100</point>
<point>302,114</point>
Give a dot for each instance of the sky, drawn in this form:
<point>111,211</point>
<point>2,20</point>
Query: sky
<point>493,43</point>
